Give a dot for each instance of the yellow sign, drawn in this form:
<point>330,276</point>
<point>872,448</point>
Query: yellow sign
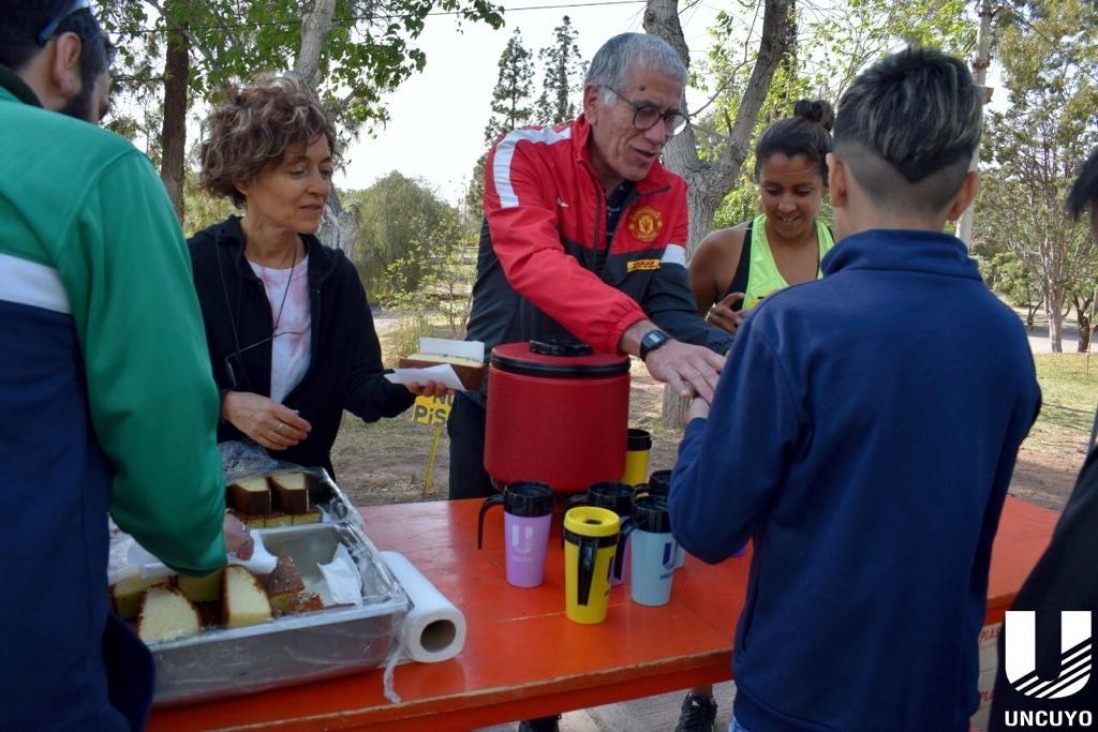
<point>431,410</point>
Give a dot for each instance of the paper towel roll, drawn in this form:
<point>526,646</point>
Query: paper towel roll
<point>434,629</point>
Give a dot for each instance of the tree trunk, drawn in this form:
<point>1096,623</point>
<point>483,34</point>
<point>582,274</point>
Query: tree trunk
<point>315,27</point>
<point>1086,325</point>
<point>1055,323</point>
<point>709,181</point>
<point>338,228</point>
<point>173,132</point>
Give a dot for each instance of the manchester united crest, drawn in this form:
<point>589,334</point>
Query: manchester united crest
<point>645,223</point>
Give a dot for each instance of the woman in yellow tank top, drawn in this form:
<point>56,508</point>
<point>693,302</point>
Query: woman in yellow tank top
<point>734,268</point>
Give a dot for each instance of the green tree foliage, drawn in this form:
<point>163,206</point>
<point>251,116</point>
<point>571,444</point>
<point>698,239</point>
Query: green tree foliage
<point>351,51</point>
<point>831,43</point>
<point>511,99</point>
<point>511,109</point>
<point>368,50</point>
<point>563,70</point>
<point>405,233</point>
<point>474,195</point>
<point>1049,57</point>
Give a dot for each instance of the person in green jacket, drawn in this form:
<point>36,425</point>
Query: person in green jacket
<point>108,403</point>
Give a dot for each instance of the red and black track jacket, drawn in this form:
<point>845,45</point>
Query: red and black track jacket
<point>543,269</point>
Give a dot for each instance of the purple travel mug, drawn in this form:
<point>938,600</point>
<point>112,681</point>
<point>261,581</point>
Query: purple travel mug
<point>527,513</point>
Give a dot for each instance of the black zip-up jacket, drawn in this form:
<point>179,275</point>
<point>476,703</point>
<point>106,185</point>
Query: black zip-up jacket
<point>345,368</point>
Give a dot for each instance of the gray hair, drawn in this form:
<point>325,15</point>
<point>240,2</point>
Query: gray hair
<point>910,121</point>
<point>625,53</point>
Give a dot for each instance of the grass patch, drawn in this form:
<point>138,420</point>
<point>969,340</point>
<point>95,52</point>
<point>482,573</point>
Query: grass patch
<point>1069,394</point>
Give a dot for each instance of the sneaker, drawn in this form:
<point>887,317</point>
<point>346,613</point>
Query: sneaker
<point>541,724</point>
<point>698,714</point>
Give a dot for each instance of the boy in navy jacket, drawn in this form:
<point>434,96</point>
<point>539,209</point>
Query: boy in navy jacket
<point>863,435</point>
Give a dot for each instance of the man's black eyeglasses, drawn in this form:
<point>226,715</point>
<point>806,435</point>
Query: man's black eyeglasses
<point>73,7</point>
<point>646,116</point>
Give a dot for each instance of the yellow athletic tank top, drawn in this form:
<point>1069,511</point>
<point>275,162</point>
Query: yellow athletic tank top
<point>763,276</point>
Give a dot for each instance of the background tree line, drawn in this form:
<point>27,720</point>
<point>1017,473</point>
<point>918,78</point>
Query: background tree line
<point>415,250</point>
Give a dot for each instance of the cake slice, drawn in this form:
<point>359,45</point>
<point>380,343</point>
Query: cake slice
<point>304,602</point>
<point>274,520</point>
<point>283,585</point>
<point>250,496</point>
<point>165,615</point>
<point>200,589</point>
<point>243,601</point>
<point>126,594</point>
<point>290,492</point>
<point>312,516</point>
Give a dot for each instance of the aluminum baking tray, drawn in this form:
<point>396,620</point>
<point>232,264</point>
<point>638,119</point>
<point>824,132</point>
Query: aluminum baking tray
<point>291,649</point>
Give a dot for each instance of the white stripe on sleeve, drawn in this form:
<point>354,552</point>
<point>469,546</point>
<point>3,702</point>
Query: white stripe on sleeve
<point>29,283</point>
<point>505,152</point>
<point>674,254</point>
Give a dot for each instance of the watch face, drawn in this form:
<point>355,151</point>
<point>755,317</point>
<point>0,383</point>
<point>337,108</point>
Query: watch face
<point>652,340</point>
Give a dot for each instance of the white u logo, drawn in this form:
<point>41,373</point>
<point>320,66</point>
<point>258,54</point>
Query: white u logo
<point>522,540</point>
<point>1020,662</point>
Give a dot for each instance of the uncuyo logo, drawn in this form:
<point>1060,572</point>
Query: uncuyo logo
<point>1020,655</point>
<point>522,540</point>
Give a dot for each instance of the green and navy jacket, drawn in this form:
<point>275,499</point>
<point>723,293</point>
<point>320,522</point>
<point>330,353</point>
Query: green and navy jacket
<point>108,405</point>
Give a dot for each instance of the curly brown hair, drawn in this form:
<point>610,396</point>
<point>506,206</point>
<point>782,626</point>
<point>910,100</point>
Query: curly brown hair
<point>250,132</point>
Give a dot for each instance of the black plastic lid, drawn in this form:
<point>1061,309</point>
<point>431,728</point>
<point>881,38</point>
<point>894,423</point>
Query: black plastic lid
<point>618,497</point>
<point>556,360</point>
<point>659,482</point>
<point>528,499</point>
<point>650,514</point>
<point>639,439</point>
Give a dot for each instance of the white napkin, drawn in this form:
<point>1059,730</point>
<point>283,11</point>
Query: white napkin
<point>344,583</point>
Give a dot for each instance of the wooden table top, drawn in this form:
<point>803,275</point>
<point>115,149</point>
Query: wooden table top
<point>523,658</point>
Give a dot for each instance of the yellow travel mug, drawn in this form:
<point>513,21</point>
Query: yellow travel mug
<point>590,542</point>
<point>637,447</point>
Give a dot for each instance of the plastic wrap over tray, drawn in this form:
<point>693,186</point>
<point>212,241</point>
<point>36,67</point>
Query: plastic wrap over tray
<point>295,648</point>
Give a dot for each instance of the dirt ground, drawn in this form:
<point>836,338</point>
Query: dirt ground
<point>389,462</point>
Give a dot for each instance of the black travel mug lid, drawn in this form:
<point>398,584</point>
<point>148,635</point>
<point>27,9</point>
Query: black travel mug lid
<point>639,439</point>
<point>612,494</point>
<point>528,498</point>
<point>659,482</point>
<point>650,514</point>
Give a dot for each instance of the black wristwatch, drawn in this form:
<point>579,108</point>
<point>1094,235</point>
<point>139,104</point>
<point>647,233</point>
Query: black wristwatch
<point>652,340</point>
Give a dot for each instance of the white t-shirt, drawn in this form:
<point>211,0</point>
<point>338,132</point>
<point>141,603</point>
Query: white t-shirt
<point>288,295</point>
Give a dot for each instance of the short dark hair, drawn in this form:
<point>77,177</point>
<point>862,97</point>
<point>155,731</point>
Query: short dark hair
<point>807,133</point>
<point>251,131</point>
<point>24,20</point>
<point>908,127</point>
<point>1084,192</point>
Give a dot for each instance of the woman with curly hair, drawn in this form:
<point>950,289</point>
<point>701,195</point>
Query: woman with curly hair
<point>291,337</point>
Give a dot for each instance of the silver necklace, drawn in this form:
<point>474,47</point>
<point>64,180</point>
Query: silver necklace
<point>285,293</point>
